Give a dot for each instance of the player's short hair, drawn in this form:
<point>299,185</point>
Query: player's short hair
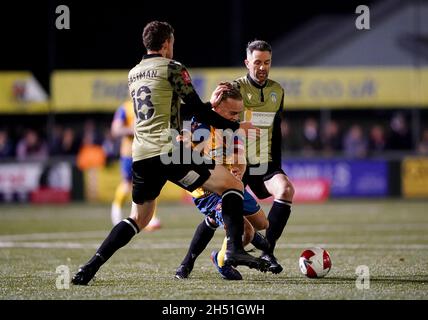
<point>258,45</point>
<point>231,92</point>
<point>155,33</point>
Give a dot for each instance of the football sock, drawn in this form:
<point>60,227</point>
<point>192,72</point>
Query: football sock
<point>221,253</point>
<point>122,192</point>
<point>119,236</point>
<point>203,235</point>
<point>278,217</point>
<point>232,210</point>
<point>260,242</point>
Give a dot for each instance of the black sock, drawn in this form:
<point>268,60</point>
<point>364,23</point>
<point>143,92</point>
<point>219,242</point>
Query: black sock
<point>278,217</point>
<point>233,217</point>
<point>203,235</point>
<point>260,242</point>
<point>120,235</point>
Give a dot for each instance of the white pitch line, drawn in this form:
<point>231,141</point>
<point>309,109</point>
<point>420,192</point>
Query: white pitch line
<point>323,228</point>
<point>359,227</point>
<point>185,244</point>
<point>47,245</point>
<point>53,236</point>
<point>413,246</point>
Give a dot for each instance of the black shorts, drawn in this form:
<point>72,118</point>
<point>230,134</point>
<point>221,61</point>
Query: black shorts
<point>256,182</point>
<point>150,175</point>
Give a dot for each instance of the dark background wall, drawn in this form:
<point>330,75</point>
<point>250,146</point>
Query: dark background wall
<point>107,34</point>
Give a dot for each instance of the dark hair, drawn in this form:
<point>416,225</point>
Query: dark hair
<point>155,33</point>
<point>258,45</point>
<point>231,92</point>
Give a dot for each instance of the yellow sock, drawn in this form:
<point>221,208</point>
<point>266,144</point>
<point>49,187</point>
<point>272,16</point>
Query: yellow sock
<point>120,194</point>
<point>221,253</point>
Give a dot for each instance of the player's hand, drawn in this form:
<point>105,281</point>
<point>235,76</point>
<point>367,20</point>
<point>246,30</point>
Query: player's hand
<point>217,93</point>
<point>249,130</point>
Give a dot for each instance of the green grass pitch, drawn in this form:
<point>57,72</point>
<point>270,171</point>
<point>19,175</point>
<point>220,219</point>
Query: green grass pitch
<point>389,237</point>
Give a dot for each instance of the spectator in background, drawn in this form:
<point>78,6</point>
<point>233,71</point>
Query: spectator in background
<point>423,144</point>
<point>288,143</point>
<point>311,142</point>
<point>70,144</point>
<point>400,138</point>
<point>55,138</point>
<point>6,146</point>
<point>63,142</point>
<point>377,140</point>
<point>331,138</point>
<point>32,147</point>
<point>110,146</point>
<point>91,133</point>
<point>354,143</point>
<point>90,155</point>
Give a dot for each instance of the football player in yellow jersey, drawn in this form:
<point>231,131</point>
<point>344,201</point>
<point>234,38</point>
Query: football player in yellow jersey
<point>263,103</point>
<point>123,127</point>
<point>212,143</point>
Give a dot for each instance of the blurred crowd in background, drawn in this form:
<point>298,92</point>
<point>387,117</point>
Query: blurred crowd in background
<point>88,142</point>
<point>353,138</point>
<point>302,136</point>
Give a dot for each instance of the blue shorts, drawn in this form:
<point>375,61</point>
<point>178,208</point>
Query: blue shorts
<point>211,206</point>
<point>126,168</point>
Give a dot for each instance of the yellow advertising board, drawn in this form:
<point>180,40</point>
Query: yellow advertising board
<point>21,93</point>
<point>415,177</point>
<point>80,91</point>
<point>100,185</point>
<point>305,88</point>
<point>313,88</point>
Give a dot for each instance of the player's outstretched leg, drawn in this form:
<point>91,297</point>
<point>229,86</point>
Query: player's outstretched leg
<point>235,253</point>
<point>283,191</point>
<point>231,189</point>
<point>119,236</point>
<point>203,235</point>
<point>278,217</point>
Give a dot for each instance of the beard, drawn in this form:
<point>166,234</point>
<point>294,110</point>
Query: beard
<point>261,76</point>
